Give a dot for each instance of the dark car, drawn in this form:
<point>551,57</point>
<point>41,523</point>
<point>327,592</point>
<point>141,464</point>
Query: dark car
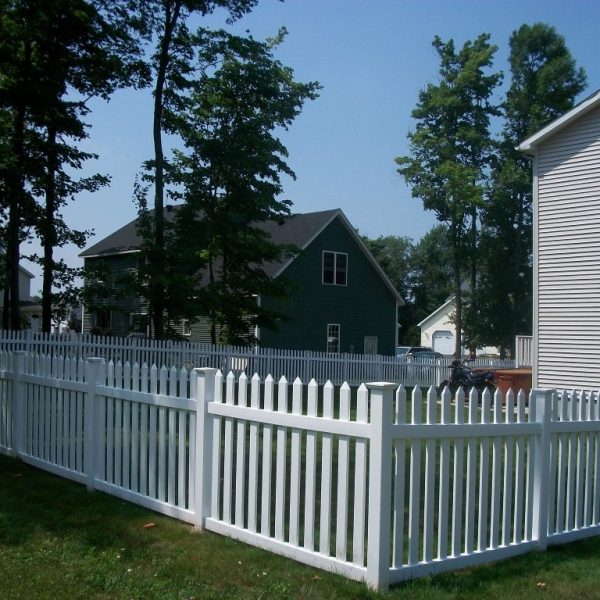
<point>418,352</point>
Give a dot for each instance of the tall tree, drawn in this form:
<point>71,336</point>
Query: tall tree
<point>545,82</point>
<point>54,56</point>
<point>451,149</point>
<point>230,173</point>
<point>166,21</point>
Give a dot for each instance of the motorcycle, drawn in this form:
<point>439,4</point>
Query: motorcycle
<point>466,377</point>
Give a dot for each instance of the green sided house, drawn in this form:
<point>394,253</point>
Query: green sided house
<point>340,299</point>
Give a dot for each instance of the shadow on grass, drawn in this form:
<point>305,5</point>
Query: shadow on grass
<point>32,502</point>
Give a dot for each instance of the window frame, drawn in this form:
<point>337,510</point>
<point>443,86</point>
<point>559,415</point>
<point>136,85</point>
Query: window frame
<point>94,318</point>
<point>186,323</point>
<point>338,339</point>
<point>335,268</point>
<point>132,316</point>
<point>367,339</point>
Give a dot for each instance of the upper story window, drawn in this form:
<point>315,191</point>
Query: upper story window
<point>335,268</point>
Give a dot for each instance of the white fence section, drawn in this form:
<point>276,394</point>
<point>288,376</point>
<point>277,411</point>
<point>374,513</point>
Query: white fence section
<point>321,366</point>
<point>368,483</point>
<point>523,351</point>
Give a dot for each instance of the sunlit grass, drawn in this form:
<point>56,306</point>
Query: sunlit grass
<point>59,541</point>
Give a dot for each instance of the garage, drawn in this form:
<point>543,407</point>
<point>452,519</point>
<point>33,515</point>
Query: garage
<point>443,342</point>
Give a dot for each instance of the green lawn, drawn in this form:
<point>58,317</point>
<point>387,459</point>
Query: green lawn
<point>59,541</point>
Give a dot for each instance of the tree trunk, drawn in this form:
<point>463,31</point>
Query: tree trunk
<point>473,275</point>
<point>457,293</point>
<point>49,232</point>
<point>157,289</point>
<point>16,195</point>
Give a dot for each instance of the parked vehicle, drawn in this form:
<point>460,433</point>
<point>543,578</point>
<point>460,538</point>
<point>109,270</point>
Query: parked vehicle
<point>402,350</point>
<point>466,377</point>
<point>417,352</point>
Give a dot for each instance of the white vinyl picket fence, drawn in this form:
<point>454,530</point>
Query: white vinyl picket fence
<point>321,366</point>
<point>368,483</point>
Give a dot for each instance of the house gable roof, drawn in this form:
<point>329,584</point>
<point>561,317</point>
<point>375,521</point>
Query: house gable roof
<point>530,145</point>
<point>299,230</point>
<point>437,311</point>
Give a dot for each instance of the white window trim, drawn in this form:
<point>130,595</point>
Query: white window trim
<point>335,255</point>
<point>370,337</point>
<point>339,338</point>
<point>189,327</point>
<point>138,314</point>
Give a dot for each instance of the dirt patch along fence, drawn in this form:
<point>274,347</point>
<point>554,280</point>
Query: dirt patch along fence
<point>365,482</point>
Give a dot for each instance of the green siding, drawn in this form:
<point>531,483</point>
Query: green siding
<point>364,307</point>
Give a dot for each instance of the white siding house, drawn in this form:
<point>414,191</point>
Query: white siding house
<point>438,331</point>
<point>566,187</point>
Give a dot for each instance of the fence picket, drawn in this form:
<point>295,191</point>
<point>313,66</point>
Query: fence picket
<point>430,460</point>
<point>415,483</point>
<point>139,432</point>
<point>253,457</point>
<point>399,479</point>
<point>265,504</point>
<point>295,466</point>
<point>311,471</point>
<point>326,474</point>
<point>341,530</point>
<point>240,463</point>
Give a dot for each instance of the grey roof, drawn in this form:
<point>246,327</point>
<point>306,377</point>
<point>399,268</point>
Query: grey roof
<point>298,230</point>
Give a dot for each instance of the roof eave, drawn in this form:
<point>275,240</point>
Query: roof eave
<point>103,254</point>
<point>436,311</point>
<point>529,146</point>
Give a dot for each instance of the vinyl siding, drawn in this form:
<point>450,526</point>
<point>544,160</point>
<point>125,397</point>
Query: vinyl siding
<point>364,307</point>
<point>568,285</point>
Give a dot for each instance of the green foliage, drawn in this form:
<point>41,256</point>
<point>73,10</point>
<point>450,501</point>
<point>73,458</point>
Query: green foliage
<point>54,56</point>
<point>451,148</point>
<point>230,174</point>
<point>421,272</point>
<point>544,84</point>
<point>164,23</point>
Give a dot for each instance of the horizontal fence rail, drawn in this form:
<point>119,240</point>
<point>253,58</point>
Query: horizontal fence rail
<point>371,482</point>
<point>321,366</point>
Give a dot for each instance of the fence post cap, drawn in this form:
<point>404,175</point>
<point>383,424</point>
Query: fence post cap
<point>203,371</point>
<point>381,385</point>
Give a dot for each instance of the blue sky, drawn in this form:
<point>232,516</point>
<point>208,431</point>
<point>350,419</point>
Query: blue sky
<point>371,59</point>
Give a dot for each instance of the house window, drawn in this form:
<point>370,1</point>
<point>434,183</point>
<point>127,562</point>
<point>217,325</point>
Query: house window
<point>335,268</point>
<point>186,328</point>
<point>333,337</point>
<point>370,344</point>
<point>138,323</point>
<point>102,320</point>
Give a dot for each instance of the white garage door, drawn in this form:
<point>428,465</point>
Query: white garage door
<point>443,342</point>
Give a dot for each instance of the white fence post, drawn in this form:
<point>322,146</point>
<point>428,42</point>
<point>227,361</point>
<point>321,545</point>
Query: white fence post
<point>91,445</point>
<point>380,485</point>
<point>541,402</point>
<point>205,393</point>
<point>18,404</point>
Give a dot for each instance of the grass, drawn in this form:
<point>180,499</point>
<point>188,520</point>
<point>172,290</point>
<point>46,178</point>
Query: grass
<point>59,541</point>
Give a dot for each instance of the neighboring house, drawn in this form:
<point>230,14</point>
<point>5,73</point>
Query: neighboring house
<point>438,331</point>
<point>566,211</point>
<point>31,311</point>
<point>340,299</point>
